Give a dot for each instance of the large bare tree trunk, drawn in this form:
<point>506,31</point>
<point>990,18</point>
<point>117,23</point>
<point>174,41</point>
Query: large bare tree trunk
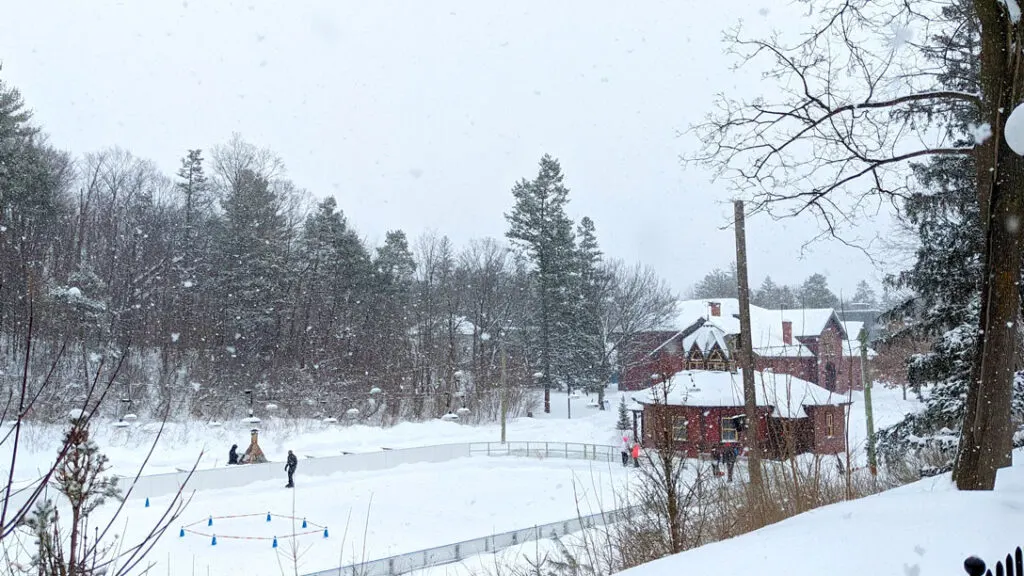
<point>986,438</point>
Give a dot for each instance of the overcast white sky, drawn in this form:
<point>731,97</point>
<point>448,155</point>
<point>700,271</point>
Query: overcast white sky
<point>421,115</point>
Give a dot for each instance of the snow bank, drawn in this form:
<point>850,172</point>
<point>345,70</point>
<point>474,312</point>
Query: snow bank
<point>926,528</point>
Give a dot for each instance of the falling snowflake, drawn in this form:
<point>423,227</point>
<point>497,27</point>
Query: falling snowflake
<point>175,336</point>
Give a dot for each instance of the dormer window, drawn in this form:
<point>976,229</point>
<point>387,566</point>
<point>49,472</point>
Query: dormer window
<point>716,361</point>
<point>696,360</point>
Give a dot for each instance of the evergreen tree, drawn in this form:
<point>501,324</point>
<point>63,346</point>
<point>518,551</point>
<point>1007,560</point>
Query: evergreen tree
<point>717,284</point>
<point>390,315</point>
<point>623,422</point>
<point>80,477</point>
<point>946,276</point>
<point>334,284</point>
<point>252,240</point>
<point>592,367</point>
<point>815,293</point>
<point>771,295</point>
<point>538,223</point>
<point>865,295</point>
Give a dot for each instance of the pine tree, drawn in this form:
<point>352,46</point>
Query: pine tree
<point>592,367</point>
<point>333,286</point>
<point>538,223</point>
<point>252,240</point>
<point>80,477</point>
<point>946,276</point>
<point>623,422</point>
<point>390,314</point>
<point>865,295</point>
<point>814,293</point>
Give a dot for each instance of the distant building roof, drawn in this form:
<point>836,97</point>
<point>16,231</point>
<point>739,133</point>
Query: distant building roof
<point>766,325</point>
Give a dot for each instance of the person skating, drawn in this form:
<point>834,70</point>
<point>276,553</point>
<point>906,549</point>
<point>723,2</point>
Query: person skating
<point>233,455</point>
<point>290,467</point>
<point>636,454</point>
<point>625,451</point>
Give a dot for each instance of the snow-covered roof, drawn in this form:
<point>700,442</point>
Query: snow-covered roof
<point>705,338</point>
<point>853,329</point>
<point>786,395</point>
<point>766,325</point>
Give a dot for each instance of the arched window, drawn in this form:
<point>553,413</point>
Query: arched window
<point>696,361</point>
<point>716,361</point>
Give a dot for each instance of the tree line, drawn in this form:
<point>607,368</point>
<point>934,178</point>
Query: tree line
<point>227,276</point>
<point>814,292</point>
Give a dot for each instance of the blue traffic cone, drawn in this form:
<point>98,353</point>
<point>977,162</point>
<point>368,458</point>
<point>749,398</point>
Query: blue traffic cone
<point>214,541</point>
<point>303,522</point>
<point>268,516</point>
<point>275,542</point>
<point>325,532</point>
<point>210,521</point>
<point>147,502</point>
<point>182,533</point>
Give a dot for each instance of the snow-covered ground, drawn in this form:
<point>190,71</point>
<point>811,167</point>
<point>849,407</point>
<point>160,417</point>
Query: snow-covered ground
<point>926,528</point>
<point>413,506</point>
<point>372,515</point>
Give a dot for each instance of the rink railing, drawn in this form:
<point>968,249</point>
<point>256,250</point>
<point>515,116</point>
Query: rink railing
<point>157,485</point>
<point>459,551</point>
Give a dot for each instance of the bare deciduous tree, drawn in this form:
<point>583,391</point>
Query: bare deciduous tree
<point>857,102</point>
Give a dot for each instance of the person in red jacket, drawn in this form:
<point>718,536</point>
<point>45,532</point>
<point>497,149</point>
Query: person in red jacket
<point>636,454</point>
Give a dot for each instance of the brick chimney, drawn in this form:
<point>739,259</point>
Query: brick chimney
<point>716,308</point>
<point>787,331</point>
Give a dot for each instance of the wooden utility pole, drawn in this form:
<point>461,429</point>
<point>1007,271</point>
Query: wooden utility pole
<point>504,391</point>
<point>746,356</point>
<point>866,380</point>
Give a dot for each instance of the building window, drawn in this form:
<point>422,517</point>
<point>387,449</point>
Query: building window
<point>696,364</point>
<point>679,431</point>
<point>830,425</point>
<point>696,361</point>
<point>729,433</point>
<point>716,361</point>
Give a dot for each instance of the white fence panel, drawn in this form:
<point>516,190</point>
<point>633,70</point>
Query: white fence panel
<point>157,485</point>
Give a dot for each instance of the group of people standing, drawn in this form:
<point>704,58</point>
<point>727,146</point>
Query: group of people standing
<point>630,449</point>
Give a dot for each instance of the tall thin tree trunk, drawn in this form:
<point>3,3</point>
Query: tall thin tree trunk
<point>747,353</point>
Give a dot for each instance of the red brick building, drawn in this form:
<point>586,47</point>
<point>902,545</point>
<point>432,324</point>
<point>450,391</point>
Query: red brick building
<point>699,410</point>
<point>810,344</point>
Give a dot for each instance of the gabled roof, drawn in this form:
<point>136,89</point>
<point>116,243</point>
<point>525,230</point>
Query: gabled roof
<point>766,325</point>
<point>786,395</point>
<point>705,338</point>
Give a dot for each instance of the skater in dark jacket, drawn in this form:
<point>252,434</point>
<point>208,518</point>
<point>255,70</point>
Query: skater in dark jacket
<point>233,454</point>
<point>290,467</point>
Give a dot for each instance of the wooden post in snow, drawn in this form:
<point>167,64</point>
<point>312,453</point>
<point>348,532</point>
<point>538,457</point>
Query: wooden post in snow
<point>746,355</point>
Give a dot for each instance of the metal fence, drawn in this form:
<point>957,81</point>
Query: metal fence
<point>450,553</point>
<point>1012,565</point>
<point>568,450</point>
